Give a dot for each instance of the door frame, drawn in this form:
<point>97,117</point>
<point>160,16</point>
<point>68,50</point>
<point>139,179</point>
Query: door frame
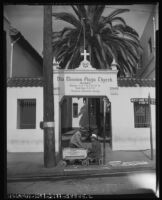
<point>81,96</point>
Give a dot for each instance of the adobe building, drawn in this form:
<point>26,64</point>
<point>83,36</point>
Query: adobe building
<point>80,96</point>
<point>21,59</point>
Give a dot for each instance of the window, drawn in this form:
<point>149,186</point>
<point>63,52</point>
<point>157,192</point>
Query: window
<point>75,110</point>
<point>26,113</point>
<point>149,46</point>
<point>141,115</point>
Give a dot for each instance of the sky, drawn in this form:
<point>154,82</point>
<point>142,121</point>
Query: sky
<point>28,19</point>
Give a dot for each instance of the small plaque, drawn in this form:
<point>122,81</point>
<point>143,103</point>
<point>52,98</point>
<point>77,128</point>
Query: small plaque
<point>114,90</point>
<point>48,124</point>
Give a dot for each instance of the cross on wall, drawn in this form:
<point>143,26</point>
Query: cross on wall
<point>85,54</point>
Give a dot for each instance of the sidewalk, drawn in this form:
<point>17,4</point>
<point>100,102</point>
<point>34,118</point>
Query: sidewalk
<point>23,166</point>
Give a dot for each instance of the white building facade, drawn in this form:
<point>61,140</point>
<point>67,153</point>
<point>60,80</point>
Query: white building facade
<point>126,134</point>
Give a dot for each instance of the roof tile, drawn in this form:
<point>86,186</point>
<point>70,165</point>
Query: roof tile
<point>38,82</point>
<point>25,82</point>
<point>134,82</point>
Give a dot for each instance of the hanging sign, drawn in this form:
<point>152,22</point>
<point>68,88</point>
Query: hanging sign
<point>143,100</point>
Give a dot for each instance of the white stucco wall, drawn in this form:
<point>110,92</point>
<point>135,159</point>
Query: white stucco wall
<point>124,135</point>
<point>24,140</point>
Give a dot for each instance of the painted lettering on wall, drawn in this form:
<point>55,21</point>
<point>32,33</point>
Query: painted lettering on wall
<point>90,83</point>
<point>85,79</point>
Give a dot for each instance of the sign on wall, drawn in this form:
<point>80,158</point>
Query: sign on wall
<point>143,100</point>
<point>73,82</point>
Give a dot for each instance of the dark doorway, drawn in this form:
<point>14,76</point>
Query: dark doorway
<point>90,113</point>
<point>96,110</point>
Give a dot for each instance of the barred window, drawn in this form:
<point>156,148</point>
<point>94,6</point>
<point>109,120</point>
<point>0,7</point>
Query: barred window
<point>141,115</point>
<point>75,110</point>
<point>26,113</point>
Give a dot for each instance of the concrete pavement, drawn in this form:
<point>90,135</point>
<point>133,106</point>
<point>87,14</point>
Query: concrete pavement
<point>129,184</point>
<point>28,166</point>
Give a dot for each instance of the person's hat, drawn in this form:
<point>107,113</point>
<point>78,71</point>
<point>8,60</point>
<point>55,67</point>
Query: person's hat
<point>94,136</point>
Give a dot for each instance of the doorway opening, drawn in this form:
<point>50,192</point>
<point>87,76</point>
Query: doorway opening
<point>81,111</point>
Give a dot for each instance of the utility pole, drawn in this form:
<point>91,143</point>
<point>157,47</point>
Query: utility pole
<point>48,118</point>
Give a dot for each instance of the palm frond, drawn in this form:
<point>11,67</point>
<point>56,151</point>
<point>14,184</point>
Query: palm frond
<point>118,20</point>
<point>76,12</point>
<point>98,12</point>
<point>66,30</point>
<point>91,9</point>
<point>137,47</point>
<point>67,17</point>
<point>105,31</point>
<point>82,11</point>
<point>106,38</point>
<point>100,62</point>
<point>109,50</point>
<point>69,61</point>
<point>126,45</point>
<point>131,30</point>
<point>131,37</point>
<point>123,53</point>
<point>116,12</point>
<point>102,48</point>
<point>56,34</point>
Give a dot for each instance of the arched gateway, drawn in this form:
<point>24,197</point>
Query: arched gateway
<point>82,97</point>
<point>85,86</point>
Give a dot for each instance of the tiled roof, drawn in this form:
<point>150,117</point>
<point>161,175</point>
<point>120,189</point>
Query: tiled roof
<point>134,82</point>
<point>38,82</point>
<point>25,82</point>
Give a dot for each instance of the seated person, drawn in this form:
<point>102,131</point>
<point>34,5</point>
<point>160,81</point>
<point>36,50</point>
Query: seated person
<point>95,151</point>
<point>77,139</point>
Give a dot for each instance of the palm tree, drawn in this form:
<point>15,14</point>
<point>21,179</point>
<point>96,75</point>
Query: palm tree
<point>106,37</point>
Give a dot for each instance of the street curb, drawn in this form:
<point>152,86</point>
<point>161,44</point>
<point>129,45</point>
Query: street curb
<point>71,175</point>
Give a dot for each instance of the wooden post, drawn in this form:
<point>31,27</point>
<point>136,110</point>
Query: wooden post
<point>49,134</point>
<point>104,131</point>
<point>150,123</point>
<point>88,112</point>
